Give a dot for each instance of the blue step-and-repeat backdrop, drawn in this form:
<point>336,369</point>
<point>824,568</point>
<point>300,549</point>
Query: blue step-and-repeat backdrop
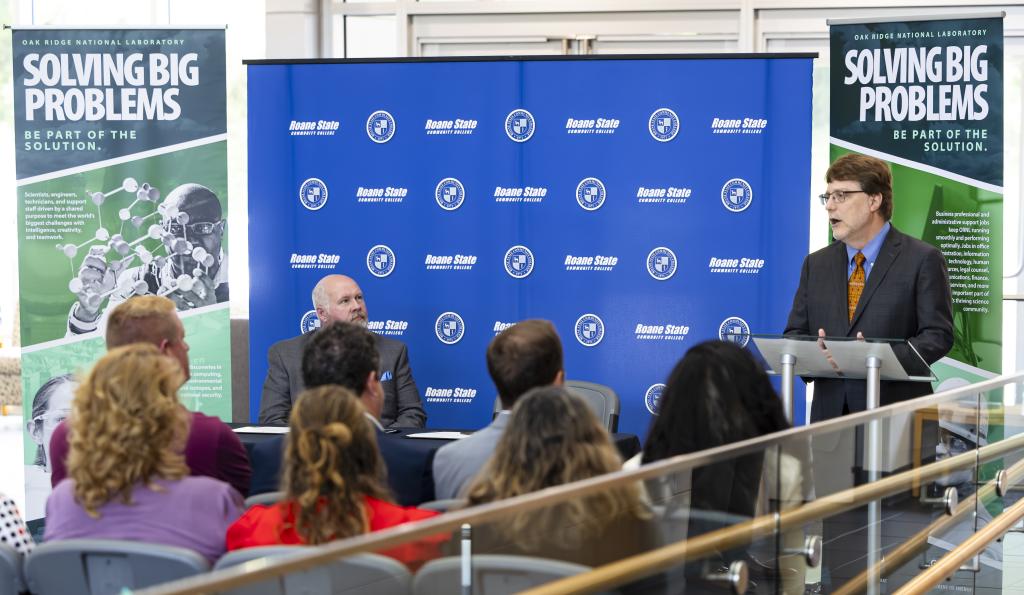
<point>643,205</point>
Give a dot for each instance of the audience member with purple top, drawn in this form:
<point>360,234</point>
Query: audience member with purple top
<point>127,475</point>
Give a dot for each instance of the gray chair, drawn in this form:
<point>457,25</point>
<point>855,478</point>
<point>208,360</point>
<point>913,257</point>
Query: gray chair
<point>492,574</point>
<point>603,401</point>
<point>360,574</point>
<point>264,498</point>
<point>443,505</point>
<point>11,582</point>
<point>106,566</point>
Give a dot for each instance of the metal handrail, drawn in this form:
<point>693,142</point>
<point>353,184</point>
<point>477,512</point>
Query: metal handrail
<point>917,543</point>
<point>265,569</point>
<point>970,548</point>
<point>648,563</point>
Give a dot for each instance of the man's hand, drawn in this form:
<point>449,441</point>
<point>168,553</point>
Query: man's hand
<point>828,354</point>
<point>93,284</point>
<point>193,292</point>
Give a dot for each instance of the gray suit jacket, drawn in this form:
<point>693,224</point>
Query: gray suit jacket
<point>457,464</point>
<point>907,296</point>
<point>402,406</point>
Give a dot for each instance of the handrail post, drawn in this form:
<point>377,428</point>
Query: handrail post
<point>874,464</point>
<point>788,363</point>
<point>466,565</point>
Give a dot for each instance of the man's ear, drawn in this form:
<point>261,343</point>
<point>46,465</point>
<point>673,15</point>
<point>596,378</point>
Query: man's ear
<point>321,313</point>
<point>35,429</point>
<point>559,378</point>
<point>875,203</point>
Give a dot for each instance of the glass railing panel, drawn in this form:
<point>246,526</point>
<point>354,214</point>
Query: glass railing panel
<point>1000,419</point>
<point>756,502</point>
<point>860,528</point>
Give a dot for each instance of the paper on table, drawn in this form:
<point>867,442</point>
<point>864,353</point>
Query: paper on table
<point>262,430</point>
<point>438,435</point>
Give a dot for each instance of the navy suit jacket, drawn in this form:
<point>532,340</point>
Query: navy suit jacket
<point>906,296</point>
<point>410,470</point>
<point>283,384</point>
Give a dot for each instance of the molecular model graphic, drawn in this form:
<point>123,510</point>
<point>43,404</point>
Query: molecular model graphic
<point>106,255</point>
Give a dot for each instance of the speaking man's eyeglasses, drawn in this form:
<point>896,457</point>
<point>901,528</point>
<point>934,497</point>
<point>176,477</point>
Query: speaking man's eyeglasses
<point>839,196</point>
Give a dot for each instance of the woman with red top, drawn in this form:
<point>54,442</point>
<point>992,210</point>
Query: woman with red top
<point>334,483</point>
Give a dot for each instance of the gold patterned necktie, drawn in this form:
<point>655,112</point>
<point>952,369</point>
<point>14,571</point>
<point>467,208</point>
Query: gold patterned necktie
<point>856,285</point>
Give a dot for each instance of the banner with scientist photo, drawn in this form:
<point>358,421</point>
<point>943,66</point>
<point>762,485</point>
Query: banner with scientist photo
<point>926,96</point>
<point>121,160</point>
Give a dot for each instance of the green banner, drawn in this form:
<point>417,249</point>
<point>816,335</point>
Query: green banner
<point>121,159</point>
<point>927,96</point>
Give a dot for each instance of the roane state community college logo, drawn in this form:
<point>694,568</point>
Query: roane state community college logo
<point>737,195</point>
<point>652,398</point>
<point>519,125</point>
<point>590,194</point>
<point>380,260</point>
<point>380,126</point>
<point>449,328</point>
<point>734,329</point>
<point>309,323</point>
<point>449,194</point>
<point>589,330</point>
<point>661,263</point>
<point>663,125</point>
<point>519,261</point>
<point>313,194</point>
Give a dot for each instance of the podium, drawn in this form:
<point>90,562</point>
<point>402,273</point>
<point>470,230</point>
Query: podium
<point>846,358</point>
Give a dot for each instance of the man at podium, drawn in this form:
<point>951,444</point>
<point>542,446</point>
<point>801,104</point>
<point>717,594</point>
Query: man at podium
<point>872,281</point>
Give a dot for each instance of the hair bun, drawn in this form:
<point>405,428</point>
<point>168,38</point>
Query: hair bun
<point>338,432</point>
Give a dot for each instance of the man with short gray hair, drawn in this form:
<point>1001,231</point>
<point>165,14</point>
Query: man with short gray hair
<point>338,298</point>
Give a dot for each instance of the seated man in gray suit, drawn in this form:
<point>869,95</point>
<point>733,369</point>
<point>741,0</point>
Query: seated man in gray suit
<point>345,354</point>
<point>523,356</point>
<point>338,298</point>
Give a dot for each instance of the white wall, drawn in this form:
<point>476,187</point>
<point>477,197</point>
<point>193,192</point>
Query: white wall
<point>481,27</point>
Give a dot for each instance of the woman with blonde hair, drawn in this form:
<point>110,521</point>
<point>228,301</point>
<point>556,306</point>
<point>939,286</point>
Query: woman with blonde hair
<point>334,483</point>
<point>126,467</point>
<point>553,438</point>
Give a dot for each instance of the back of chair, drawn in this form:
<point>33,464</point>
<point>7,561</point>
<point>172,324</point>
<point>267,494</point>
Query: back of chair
<point>602,400</point>
<point>264,498</point>
<point>443,505</point>
<point>105,566</point>
<point>492,574</point>
<point>10,571</point>
<point>361,574</point>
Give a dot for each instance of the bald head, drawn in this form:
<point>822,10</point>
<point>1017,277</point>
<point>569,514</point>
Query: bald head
<point>198,201</point>
<point>338,298</point>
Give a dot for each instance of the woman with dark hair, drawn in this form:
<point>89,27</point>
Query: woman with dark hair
<point>334,483</point>
<point>553,438</point>
<point>716,395</point>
